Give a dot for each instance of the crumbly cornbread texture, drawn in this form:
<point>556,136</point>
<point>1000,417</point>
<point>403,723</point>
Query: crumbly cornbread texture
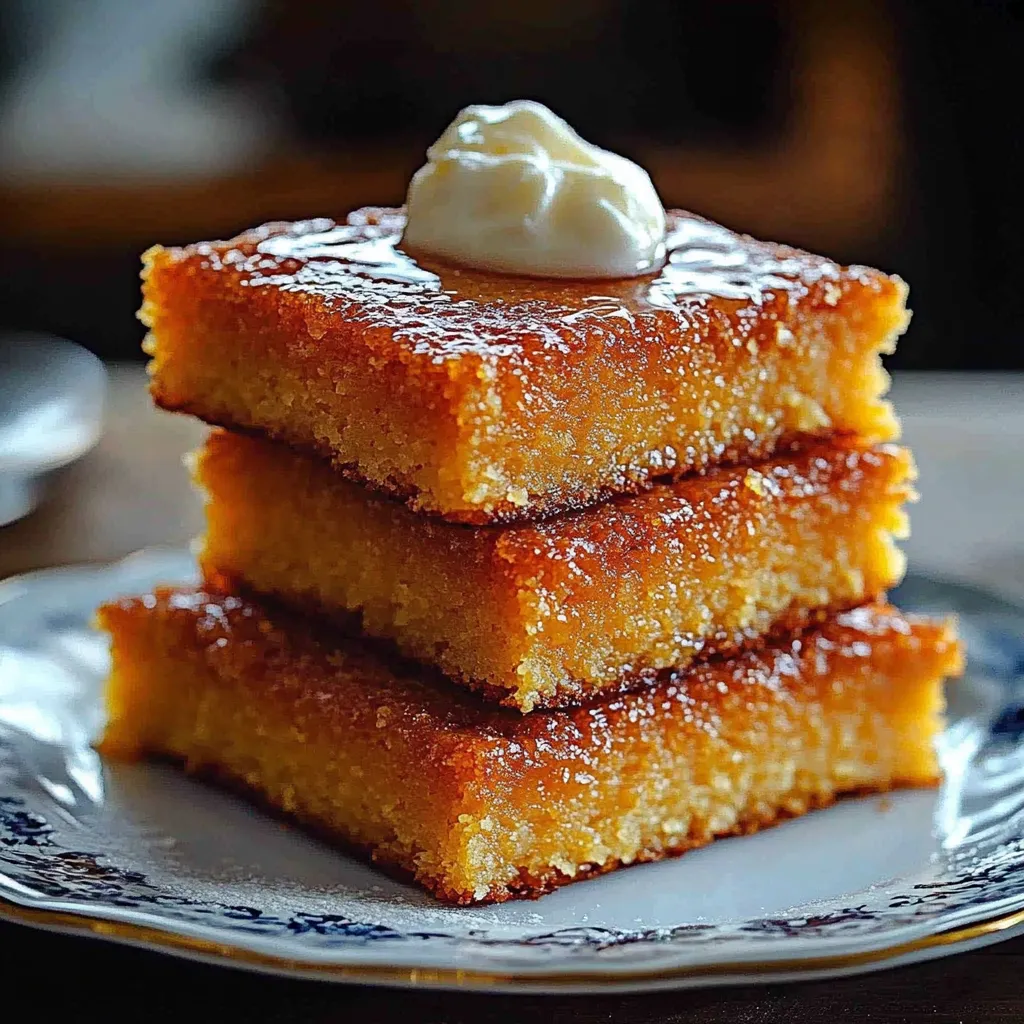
<point>480,803</point>
<point>549,614</point>
<point>485,397</point>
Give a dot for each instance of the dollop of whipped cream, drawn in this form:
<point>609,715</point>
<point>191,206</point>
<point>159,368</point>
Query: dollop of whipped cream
<point>515,189</point>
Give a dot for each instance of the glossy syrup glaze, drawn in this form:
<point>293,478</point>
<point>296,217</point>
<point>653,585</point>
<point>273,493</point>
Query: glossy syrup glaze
<point>361,270</point>
<point>344,675</point>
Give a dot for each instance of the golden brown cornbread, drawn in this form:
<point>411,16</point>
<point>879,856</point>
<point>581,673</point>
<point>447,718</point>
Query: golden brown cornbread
<point>477,802</point>
<point>552,613</point>
<point>484,397</point>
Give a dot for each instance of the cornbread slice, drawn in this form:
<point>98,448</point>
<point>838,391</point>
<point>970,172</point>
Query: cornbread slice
<point>548,614</point>
<point>479,803</point>
<point>485,397</point>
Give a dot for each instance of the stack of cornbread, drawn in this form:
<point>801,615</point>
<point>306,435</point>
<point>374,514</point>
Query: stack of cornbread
<point>512,581</point>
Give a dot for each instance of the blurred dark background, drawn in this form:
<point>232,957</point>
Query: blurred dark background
<point>884,132</point>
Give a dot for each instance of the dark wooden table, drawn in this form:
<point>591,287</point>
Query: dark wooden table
<point>132,491</point>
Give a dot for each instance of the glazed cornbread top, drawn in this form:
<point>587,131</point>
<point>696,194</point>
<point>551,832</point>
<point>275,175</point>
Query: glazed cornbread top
<point>485,397</point>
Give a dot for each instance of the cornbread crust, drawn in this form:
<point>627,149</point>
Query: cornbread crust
<point>479,803</point>
<point>552,613</point>
<point>488,398</point>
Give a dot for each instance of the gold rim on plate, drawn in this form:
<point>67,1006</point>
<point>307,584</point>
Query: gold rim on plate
<point>158,940</point>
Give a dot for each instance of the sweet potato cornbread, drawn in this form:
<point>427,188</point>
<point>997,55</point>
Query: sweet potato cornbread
<point>551,613</point>
<point>487,397</point>
<point>480,803</point>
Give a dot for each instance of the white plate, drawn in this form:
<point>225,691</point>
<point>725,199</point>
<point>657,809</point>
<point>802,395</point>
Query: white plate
<point>141,854</point>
